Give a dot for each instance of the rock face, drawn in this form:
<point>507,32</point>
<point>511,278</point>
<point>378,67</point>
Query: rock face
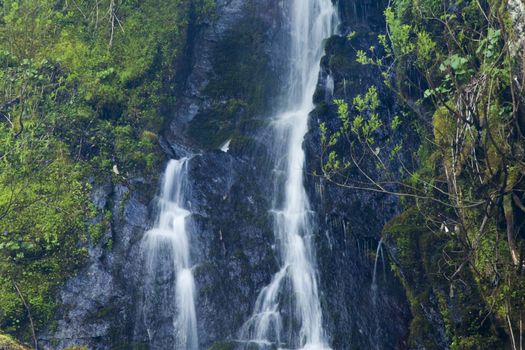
<point>517,13</point>
<point>349,222</point>
<point>234,68</point>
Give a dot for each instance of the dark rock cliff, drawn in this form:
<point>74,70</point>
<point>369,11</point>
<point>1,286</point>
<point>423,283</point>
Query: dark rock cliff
<point>350,221</point>
<point>234,66</point>
<point>102,307</point>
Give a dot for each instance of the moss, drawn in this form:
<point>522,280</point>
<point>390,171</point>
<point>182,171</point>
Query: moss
<point>214,126</point>
<point>104,226</point>
<point>96,231</point>
<point>242,65</point>
<point>407,231</point>
<point>109,244</point>
<point>443,125</point>
<point>224,345</point>
<point>142,156</point>
<point>242,88</point>
<point>8,343</point>
<point>103,312</point>
<point>342,63</point>
<point>86,107</point>
<point>321,109</point>
<point>243,144</point>
<point>459,280</point>
<point>419,256</point>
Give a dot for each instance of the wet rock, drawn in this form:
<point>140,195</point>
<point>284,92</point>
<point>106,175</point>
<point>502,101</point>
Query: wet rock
<point>230,197</point>
<point>349,222</point>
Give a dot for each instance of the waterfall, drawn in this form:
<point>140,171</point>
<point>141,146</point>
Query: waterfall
<point>330,86</point>
<point>167,250</point>
<point>226,146</point>
<point>379,250</point>
<point>287,312</point>
<point>374,292</point>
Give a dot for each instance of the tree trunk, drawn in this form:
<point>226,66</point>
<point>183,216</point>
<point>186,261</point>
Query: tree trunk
<point>509,218</point>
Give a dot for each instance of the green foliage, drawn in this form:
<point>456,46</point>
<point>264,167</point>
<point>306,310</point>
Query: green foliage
<point>7,343</point>
<point>359,125</point>
<point>84,87</point>
<point>425,48</point>
<point>43,204</point>
<point>399,34</point>
<point>453,72</point>
<point>420,254</point>
<point>43,194</point>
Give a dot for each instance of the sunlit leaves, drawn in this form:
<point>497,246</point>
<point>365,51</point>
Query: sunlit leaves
<point>400,34</point>
<point>396,122</point>
<point>360,122</point>
<point>425,48</point>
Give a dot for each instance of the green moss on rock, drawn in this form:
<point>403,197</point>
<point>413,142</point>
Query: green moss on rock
<point>8,343</point>
<point>242,86</point>
<point>224,345</point>
<point>437,305</point>
<point>214,126</point>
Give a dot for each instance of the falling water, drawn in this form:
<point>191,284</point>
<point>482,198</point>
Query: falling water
<point>226,146</point>
<point>288,311</point>
<point>374,292</point>
<point>168,243</point>
<point>330,86</point>
<point>379,250</point>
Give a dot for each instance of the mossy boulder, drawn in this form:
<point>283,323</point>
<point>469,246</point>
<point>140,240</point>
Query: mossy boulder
<point>8,343</point>
<point>443,313</point>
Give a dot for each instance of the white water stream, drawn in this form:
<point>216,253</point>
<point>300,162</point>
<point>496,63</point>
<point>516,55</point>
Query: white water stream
<point>288,312</point>
<point>170,233</point>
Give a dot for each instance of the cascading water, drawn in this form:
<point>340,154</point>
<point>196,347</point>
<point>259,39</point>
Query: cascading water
<point>288,311</point>
<point>167,248</point>
<point>374,292</point>
<point>379,252</point>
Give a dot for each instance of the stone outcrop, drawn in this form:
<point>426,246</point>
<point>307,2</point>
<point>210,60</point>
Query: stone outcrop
<point>235,63</point>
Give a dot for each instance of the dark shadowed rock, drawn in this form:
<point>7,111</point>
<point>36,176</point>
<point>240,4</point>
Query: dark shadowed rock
<point>230,196</point>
